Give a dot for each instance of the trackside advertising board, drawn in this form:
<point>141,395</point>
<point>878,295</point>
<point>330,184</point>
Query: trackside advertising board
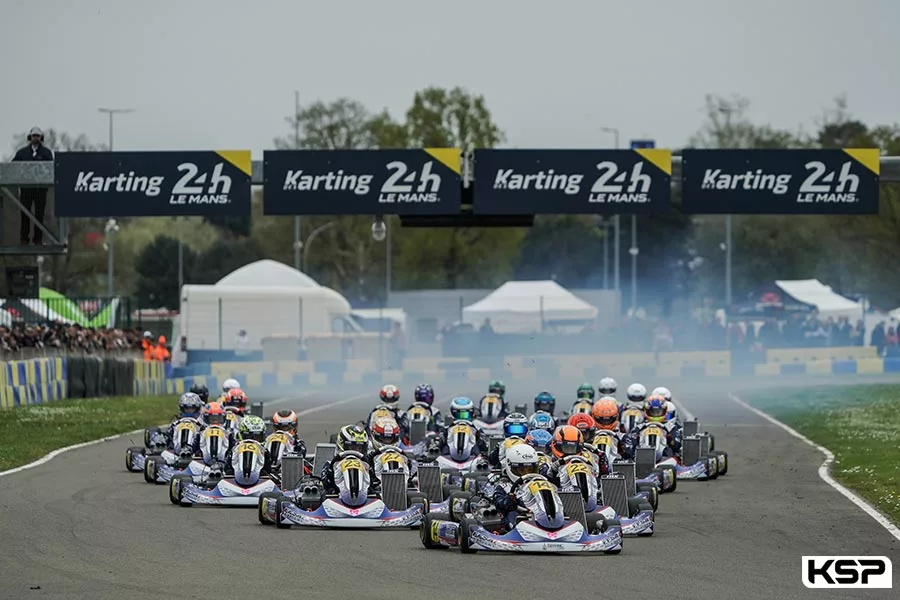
<point>153,184</point>
<point>522,182</point>
<point>784,182</point>
<point>364,182</point>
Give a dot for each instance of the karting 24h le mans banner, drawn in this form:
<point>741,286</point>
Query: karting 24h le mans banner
<point>784,182</point>
<point>153,184</point>
<point>362,182</point>
<point>526,182</point>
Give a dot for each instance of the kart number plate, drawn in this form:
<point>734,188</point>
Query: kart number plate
<point>460,429</point>
<point>278,437</point>
<point>391,457</point>
<point>541,485</point>
<point>213,433</point>
<point>653,431</point>
<point>351,463</point>
<point>576,468</point>
<point>248,447</point>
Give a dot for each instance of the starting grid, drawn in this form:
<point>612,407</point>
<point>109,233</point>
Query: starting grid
<point>448,183</point>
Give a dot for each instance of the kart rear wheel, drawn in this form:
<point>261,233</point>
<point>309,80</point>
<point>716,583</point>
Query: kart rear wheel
<point>673,476</point>
<point>460,499</point>
<point>723,461</point>
<point>652,494</point>
<point>594,523</point>
<point>150,469</point>
<point>415,497</point>
<point>272,496</point>
<point>148,434</point>
<point>130,453</point>
<point>278,505</point>
<point>175,487</point>
<point>425,531</point>
<point>463,535</point>
<point>449,489</point>
<point>712,466</point>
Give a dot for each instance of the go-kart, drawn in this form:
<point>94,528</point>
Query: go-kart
<point>177,455</point>
<point>695,462</point>
<point>650,487</point>
<point>213,443</point>
<point>541,525</point>
<point>494,429</point>
<point>242,488</point>
<point>155,443</point>
<point>355,505</point>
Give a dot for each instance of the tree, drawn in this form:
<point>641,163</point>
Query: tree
<point>440,118</point>
<point>157,265</point>
<point>225,256</point>
<point>567,249</point>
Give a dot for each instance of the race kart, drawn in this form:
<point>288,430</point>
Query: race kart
<point>214,442</point>
<point>696,461</point>
<point>649,487</point>
<point>243,488</point>
<point>354,506</point>
<point>486,429</point>
<point>541,525</point>
<point>155,443</point>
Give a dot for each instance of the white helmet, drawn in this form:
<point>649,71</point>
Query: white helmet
<point>520,460</point>
<point>607,386</point>
<point>230,384</point>
<point>664,392</point>
<point>636,393</point>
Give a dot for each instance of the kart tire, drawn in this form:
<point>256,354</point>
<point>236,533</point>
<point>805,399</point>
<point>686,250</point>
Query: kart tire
<point>607,523</point>
<point>463,535</point>
<point>458,496</point>
<point>723,461</point>
<point>652,494</point>
<point>712,466</point>
<point>150,469</point>
<point>415,497</point>
<point>175,497</point>
<point>469,483</point>
<point>259,512</point>
<point>148,433</point>
<point>633,503</point>
<point>425,532</point>
<point>712,442</point>
<point>449,489</point>
<point>278,523</point>
<point>674,477</point>
<point>130,453</point>
<point>181,501</point>
<point>594,523</point>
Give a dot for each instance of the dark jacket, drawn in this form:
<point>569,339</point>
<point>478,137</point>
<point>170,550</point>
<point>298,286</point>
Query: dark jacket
<point>27,154</point>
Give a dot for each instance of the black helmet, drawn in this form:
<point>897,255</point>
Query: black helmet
<point>200,390</point>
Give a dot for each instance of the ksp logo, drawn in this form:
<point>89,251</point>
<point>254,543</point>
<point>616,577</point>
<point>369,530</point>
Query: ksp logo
<point>820,185</point>
<point>405,185</point>
<point>847,572</point>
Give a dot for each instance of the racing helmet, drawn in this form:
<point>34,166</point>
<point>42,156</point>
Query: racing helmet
<point>389,394</point>
<point>584,422</point>
<point>585,390</point>
<point>200,390</point>
<point>541,420</point>
<point>461,441</point>
<point>213,414</point>
<point>567,440</point>
<point>515,424</point>
<point>664,392</point>
<point>285,420</point>
<point>490,408</point>
<point>545,402</point>
<point>352,438</point>
<point>189,405</point>
<point>462,408</point>
<point>497,387</point>
<point>606,413</point>
<point>252,428</point>
<point>655,409</point>
<point>236,398</point>
<point>520,460</point>
<point>506,444</point>
<point>539,439</point>
<point>230,384</point>
<point>582,406</point>
<point>636,393</point>
<point>385,432</point>
<point>424,394</point>
<point>608,386</point>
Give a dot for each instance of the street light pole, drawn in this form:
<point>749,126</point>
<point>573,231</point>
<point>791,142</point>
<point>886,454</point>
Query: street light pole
<point>112,112</point>
<point>315,232</point>
<point>111,228</point>
<point>616,228</point>
<point>727,110</point>
<point>298,245</point>
<point>388,267</point>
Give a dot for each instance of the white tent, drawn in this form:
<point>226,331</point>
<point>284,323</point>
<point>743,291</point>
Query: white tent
<point>828,302</point>
<point>522,306</point>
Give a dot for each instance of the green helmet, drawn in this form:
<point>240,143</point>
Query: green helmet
<point>586,390</point>
<point>497,387</point>
<point>252,428</point>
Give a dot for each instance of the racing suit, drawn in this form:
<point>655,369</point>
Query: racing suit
<point>170,430</point>
<point>597,460</point>
<point>481,445</point>
<point>437,422</point>
<point>327,474</point>
<point>673,431</point>
<point>372,458</point>
<point>231,439</point>
<point>266,471</point>
<point>500,492</point>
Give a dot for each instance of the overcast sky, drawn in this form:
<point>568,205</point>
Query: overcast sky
<point>222,73</point>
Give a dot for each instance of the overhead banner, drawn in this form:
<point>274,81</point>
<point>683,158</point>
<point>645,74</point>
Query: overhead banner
<point>153,184</point>
<point>362,182</point>
<point>527,182</point>
<point>785,182</point>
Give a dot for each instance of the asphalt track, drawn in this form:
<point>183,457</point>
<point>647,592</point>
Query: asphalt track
<point>81,527</point>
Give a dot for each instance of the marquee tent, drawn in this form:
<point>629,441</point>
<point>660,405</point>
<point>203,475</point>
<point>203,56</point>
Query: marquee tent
<point>783,297</point>
<point>827,301</point>
<point>524,306</point>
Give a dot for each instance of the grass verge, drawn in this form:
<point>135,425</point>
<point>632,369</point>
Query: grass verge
<point>29,432</point>
<point>860,425</point>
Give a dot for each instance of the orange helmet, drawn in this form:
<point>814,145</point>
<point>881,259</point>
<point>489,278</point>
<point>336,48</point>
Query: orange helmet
<point>583,422</point>
<point>213,413</point>
<point>285,420</point>
<point>567,440</point>
<point>606,413</point>
<point>237,399</point>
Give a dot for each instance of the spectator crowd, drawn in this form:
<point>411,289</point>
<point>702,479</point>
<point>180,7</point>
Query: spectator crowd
<point>67,337</point>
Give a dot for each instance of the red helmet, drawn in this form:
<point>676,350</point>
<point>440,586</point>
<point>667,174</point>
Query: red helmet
<point>389,394</point>
<point>237,399</point>
<point>583,422</point>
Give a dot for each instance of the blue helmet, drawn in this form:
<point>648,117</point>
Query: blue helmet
<point>545,402</point>
<point>515,425</point>
<point>425,394</point>
<point>541,420</point>
<point>462,408</point>
<point>539,439</point>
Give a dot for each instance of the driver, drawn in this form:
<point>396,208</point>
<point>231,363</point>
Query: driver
<point>389,396</point>
<point>545,402</point>
<point>515,426</point>
<point>286,421</point>
<point>568,441</point>
<point>636,393</point>
<point>352,440</point>
<point>386,435</point>
<point>606,417</point>
<point>236,400</point>
<point>200,390</point>
<point>671,409</point>
<point>656,411</point>
<point>585,392</point>
<point>520,460</point>
<point>189,407</point>
<point>497,387</point>
<point>607,387</point>
<point>491,409</point>
<point>251,428</point>
<point>213,413</point>
<point>424,394</point>
<point>228,385</point>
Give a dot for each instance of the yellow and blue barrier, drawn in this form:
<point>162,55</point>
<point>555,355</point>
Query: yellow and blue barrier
<point>32,381</point>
